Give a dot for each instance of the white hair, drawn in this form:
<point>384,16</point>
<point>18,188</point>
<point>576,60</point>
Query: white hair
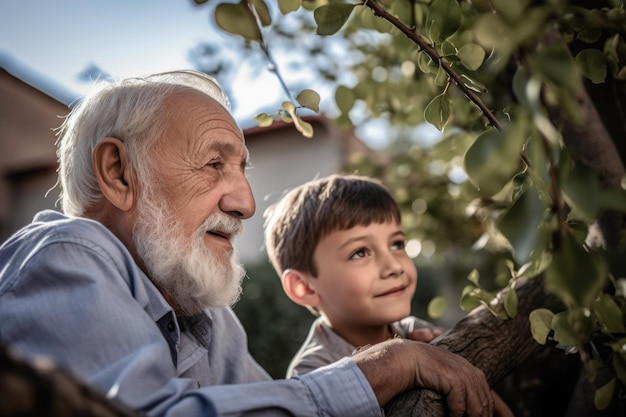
<point>130,110</point>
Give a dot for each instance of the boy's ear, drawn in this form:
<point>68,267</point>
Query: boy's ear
<point>296,286</point>
<point>112,172</point>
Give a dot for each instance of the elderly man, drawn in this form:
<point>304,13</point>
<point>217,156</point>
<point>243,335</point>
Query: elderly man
<point>130,288</point>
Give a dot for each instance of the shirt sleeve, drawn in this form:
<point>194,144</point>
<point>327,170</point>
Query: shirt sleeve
<point>75,303</point>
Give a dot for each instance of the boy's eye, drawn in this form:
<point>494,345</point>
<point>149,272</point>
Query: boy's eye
<point>398,245</point>
<point>358,254</point>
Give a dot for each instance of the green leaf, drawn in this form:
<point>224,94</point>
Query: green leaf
<point>303,127</point>
<point>619,360</point>
<point>522,225</point>
<point>289,107</point>
<point>469,298</point>
<point>344,97</point>
<point>437,112</point>
<point>512,11</point>
<point>494,157</point>
<point>609,314</point>
<point>592,64</point>
<point>555,65</point>
<point>564,333</point>
<point>575,275</point>
<point>426,63</point>
<point>437,307</point>
<point>288,6</point>
<point>474,277</point>
<point>448,49</point>
<point>331,17</point>
<point>536,266</point>
<point>510,302</point>
<point>471,55</point>
<point>309,99</point>
<point>264,119</point>
<point>443,19</point>
<point>473,84</point>
<point>442,77</point>
<point>540,321</point>
<point>520,80</point>
<point>583,191</point>
<point>262,11</point>
<point>237,19</point>
<point>603,395</point>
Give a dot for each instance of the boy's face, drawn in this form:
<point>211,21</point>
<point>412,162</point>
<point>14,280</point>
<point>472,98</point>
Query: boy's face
<point>365,278</point>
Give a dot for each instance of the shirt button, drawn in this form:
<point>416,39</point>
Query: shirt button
<point>170,326</point>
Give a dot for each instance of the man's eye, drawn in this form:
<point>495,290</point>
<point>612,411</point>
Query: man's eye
<point>215,164</point>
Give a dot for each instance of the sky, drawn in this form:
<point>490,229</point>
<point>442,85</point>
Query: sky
<point>53,42</point>
<point>57,40</point>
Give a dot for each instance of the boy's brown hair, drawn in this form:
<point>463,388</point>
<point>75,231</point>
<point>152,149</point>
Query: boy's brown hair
<point>306,214</point>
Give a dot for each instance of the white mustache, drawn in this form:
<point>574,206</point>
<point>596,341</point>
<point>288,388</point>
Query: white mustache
<point>222,223</point>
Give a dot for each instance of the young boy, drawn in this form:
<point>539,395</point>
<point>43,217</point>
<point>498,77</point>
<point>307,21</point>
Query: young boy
<point>338,246</point>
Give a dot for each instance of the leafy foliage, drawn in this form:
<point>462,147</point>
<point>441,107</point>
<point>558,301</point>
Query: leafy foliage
<point>504,81</point>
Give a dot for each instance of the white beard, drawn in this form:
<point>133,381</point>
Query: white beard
<point>189,276</point>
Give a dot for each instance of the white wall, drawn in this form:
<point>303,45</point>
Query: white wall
<point>281,160</point>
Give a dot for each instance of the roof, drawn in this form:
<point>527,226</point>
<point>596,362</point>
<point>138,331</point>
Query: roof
<point>36,80</point>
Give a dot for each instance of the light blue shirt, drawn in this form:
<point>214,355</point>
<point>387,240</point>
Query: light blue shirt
<point>71,291</point>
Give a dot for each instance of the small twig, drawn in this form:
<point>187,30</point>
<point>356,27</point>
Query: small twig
<point>434,55</point>
<point>266,51</point>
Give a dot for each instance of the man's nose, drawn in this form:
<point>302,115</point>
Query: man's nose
<point>239,200</point>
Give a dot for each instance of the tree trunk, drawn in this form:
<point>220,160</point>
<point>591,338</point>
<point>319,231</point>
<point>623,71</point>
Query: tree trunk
<point>496,346</point>
<point>38,389</point>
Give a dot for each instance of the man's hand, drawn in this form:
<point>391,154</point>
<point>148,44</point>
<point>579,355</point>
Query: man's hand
<point>394,366</point>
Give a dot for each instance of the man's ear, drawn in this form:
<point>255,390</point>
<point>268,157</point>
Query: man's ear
<point>112,171</point>
<point>297,288</point>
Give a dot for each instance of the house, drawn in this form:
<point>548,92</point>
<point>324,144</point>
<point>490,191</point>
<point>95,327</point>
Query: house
<point>30,107</point>
<point>29,111</point>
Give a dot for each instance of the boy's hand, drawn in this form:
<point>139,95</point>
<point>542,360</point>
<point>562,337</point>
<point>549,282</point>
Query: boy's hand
<point>425,334</point>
